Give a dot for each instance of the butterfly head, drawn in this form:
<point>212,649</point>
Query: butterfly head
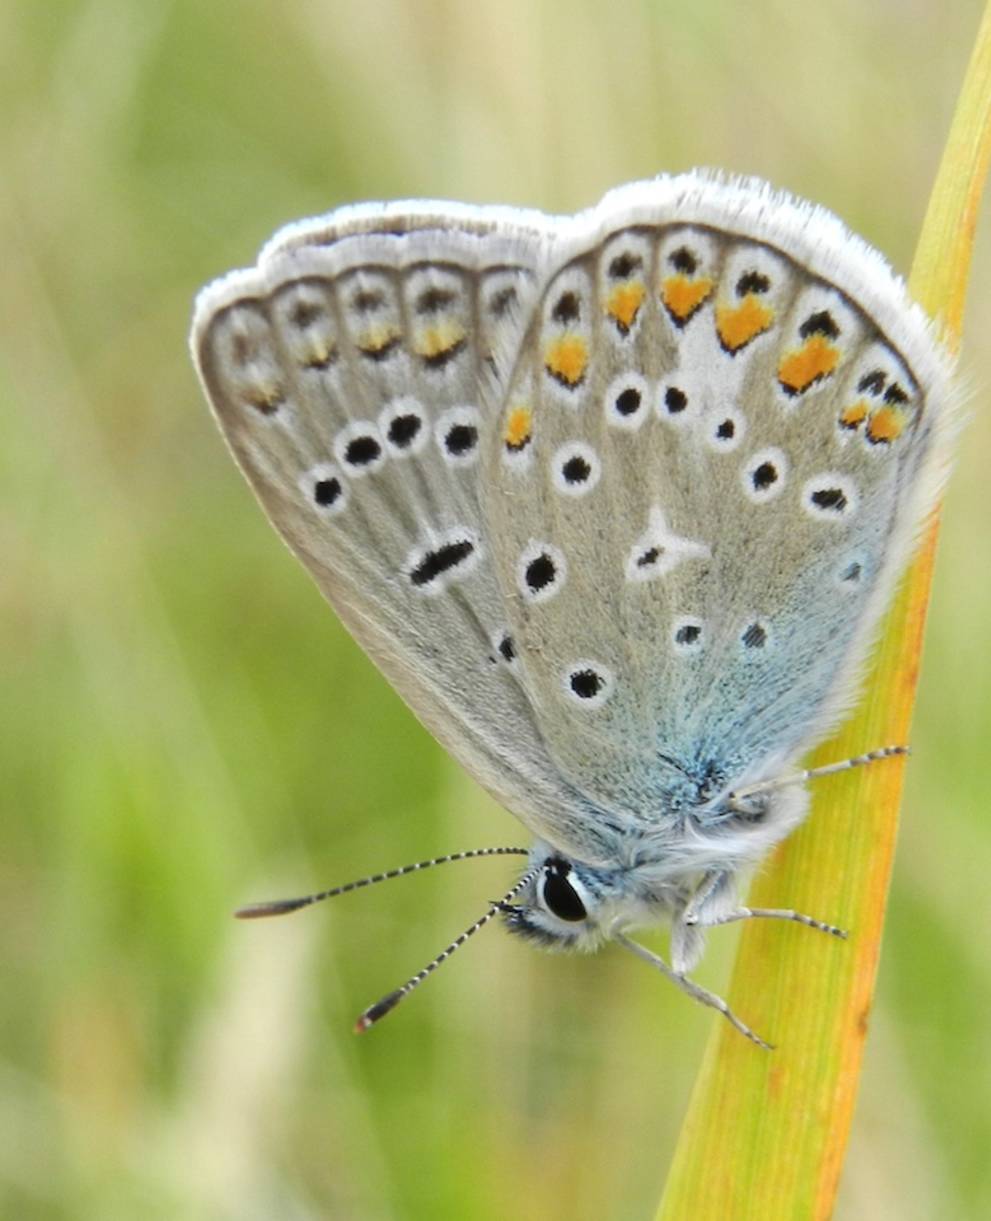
<point>573,906</point>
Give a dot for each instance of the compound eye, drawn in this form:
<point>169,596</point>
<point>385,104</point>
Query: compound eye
<point>558,895</point>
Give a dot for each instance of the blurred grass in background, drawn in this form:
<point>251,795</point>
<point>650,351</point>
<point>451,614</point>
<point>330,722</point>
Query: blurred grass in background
<point>185,726</point>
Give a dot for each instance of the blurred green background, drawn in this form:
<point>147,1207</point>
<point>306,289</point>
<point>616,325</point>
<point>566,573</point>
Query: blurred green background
<point>184,725</point>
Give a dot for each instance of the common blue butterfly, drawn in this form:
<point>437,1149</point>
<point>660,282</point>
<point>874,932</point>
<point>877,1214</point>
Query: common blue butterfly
<point>614,500</point>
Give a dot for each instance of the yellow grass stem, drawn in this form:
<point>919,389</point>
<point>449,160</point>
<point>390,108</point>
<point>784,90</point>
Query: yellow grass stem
<point>765,1134</point>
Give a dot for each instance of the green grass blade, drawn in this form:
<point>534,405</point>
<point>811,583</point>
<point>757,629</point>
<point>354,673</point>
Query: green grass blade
<point>765,1135</point>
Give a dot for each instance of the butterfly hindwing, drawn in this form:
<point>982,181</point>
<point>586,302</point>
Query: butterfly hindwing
<point>725,461</point>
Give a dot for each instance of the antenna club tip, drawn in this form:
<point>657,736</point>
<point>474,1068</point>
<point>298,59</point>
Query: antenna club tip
<point>376,1012</point>
<point>273,907</point>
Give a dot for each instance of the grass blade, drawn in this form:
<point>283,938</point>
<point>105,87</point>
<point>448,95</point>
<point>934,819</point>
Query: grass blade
<point>765,1135</point>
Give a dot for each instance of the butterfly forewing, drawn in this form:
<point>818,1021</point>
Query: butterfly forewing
<point>358,380</point>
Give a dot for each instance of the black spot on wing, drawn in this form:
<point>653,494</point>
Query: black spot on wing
<point>442,560</point>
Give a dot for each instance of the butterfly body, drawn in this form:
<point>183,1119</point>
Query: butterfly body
<point>615,501</point>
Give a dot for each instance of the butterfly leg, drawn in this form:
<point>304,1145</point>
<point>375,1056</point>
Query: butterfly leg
<point>715,894</point>
<point>776,913</point>
<point>694,990</point>
<point>714,903</point>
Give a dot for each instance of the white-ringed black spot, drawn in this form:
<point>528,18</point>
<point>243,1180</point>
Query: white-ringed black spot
<point>502,302</point>
<point>304,313</point>
<point>362,451</point>
<point>575,468</point>
<point>457,431</point>
<point>403,425</point>
<point>852,573</point>
<point>541,571</point>
<point>819,323</point>
<point>683,261</point>
<point>626,401</point>
<point>675,400</point>
<point>588,683</point>
<point>503,649</point>
<point>872,383</point>
<point>754,636</point>
<point>358,448</point>
<point>660,549</point>
<point>436,563</point>
<point>724,429</point>
<point>686,635</point>
<point>764,475</point>
<point>752,282</point>
<point>829,497</point>
<point>460,439</point>
<point>326,489</point>
<point>367,300</point>
<point>326,492</point>
<point>432,300</point>
<point>832,499</point>
<point>624,265</point>
<point>403,429</point>
<point>676,404</point>
<point>450,558</point>
<point>567,308</point>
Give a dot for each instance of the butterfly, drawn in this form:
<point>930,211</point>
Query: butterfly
<point>614,500</point>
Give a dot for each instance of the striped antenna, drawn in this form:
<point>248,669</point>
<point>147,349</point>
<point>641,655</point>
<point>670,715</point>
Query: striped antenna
<point>280,907</point>
<point>813,773</point>
<point>377,1011</point>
